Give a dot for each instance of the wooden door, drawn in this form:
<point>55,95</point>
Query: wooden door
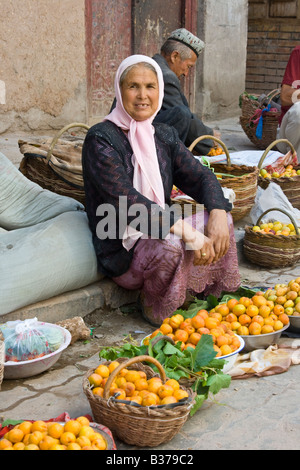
<point>116,29</point>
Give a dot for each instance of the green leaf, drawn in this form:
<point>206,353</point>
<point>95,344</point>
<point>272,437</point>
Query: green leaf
<point>11,422</point>
<point>169,349</point>
<point>171,362</point>
<point>217,363</point>
<point>212,300</point>
<point>217,382</point>
<point>199,400</point>
<point>199,304</point>
<point>160,357</point>
<point>241,292</point>
<point>176,374</point>
<point>203,353</point>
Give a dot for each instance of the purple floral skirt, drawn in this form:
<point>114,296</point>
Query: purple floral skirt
<point>164,271</point>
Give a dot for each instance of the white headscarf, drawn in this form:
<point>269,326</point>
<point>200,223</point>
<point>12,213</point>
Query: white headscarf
<point>146,178</point>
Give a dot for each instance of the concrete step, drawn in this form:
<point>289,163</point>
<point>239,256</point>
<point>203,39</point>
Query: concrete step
<point>104,294</point>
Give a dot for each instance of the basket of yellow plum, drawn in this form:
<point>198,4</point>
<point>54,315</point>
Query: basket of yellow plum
<point>272,244</point>
<point>242,179</point>
<point>141,407</point>
<point>286,176</point>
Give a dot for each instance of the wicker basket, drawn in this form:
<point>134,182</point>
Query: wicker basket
<point>270,120</point>
<point>289,185</point>
<point>42,168</point>
<point>142,426</point>
<point>269,250</point>
<point>243,180</point>
<point>2,358</point>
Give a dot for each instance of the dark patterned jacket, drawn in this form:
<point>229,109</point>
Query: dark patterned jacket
<point>108,174</point>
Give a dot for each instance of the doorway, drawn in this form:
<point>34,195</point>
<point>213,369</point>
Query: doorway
<point>116,29</point>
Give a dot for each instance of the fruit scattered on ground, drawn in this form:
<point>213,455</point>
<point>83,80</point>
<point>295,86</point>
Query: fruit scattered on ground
<point>76,434</point>
<point>133,385</point>
<point>275,228</point>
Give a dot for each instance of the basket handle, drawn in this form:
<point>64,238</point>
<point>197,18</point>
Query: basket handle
<point>273,145</point>
<point>284,212</point>
<point>212,137</point>
<point>125,364</point>
<point>156,339</point>
<point>273,93</point>
<point>60,133</point>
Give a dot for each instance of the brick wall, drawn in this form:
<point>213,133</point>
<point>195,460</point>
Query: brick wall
<point>269,47</point>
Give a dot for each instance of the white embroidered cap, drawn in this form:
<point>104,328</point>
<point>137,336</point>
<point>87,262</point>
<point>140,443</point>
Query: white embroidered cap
<point>186,37</point>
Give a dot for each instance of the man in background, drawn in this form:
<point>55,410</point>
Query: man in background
<point>177,56</point>
<point>289,120</point>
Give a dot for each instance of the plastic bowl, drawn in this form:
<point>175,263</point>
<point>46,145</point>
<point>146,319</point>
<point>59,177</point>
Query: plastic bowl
<point>229,358</point>
<point>253,342</point>
<point>23,369</point>
<point>97,428</point>
<point>294,324</point>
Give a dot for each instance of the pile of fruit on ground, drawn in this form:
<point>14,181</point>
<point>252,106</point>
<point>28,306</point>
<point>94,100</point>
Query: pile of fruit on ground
<point>75,434</point>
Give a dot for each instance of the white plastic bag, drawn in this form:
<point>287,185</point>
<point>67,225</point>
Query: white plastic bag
<point>229,194</point>
<point>271,198</point>
<point>30,339</point>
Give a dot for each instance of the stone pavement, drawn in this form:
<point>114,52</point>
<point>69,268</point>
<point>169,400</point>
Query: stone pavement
<point>252,414</point>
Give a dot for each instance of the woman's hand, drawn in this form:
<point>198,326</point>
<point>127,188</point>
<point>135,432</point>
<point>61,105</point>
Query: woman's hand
<point>218,232</point>
<point>202,246</point>
<point>206,254</point>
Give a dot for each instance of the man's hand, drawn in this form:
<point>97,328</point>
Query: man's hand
<point>217,134</point>
<point>289,95</point>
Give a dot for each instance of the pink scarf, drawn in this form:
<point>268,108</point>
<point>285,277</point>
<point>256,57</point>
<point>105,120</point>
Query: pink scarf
<point>146,178</point>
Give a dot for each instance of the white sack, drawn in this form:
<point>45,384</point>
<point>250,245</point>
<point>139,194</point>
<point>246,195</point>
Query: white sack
<point>45,260</point>
<point>271,198</point>
<point>24,203</point>
<point>247,157</point>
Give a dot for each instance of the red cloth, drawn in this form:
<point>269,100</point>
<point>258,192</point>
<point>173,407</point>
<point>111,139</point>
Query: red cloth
<point>64,417</point>
<point>292,73</point>
<point>280,164</point>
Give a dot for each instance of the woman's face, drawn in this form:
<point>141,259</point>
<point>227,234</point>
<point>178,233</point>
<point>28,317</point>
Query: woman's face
<point>140,93</point>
